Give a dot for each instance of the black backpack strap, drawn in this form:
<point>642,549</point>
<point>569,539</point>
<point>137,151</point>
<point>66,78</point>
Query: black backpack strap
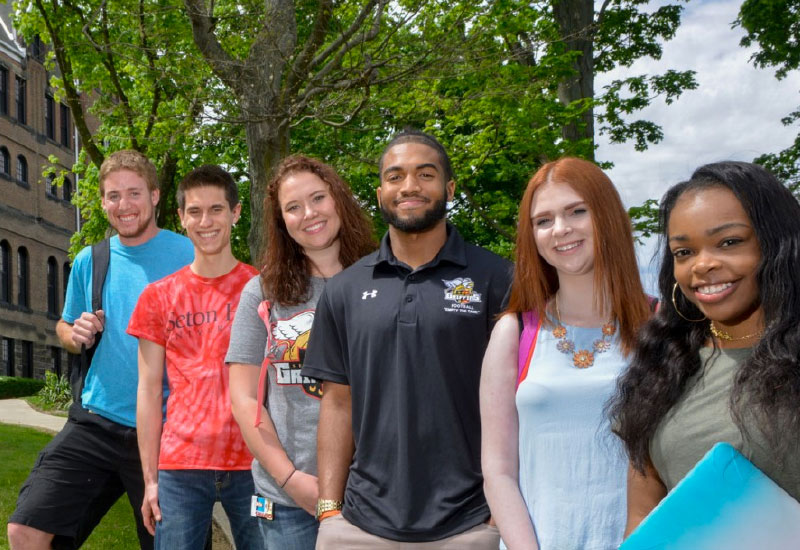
<point>101,254</point>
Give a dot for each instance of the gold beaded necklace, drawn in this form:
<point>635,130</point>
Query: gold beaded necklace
<point>722,335</point>
<point>582,358</point>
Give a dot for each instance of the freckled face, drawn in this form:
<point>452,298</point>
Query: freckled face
<point>716,254</point>
<point>563,229</point>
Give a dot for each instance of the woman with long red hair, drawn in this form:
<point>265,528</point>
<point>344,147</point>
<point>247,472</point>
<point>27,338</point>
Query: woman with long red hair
<point>554,473</point>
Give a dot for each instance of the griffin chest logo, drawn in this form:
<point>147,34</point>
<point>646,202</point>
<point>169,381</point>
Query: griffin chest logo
<point>460,296</point>
<point>290,339</point>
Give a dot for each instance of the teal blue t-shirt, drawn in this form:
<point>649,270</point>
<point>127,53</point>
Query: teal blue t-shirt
<point>110,388</point>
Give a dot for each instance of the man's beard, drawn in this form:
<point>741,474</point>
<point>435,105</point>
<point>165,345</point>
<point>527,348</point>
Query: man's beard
<point>418,224</point>
<point>138,231</point>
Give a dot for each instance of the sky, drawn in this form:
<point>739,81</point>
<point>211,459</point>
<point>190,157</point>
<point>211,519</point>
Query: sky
<point>734,114</point>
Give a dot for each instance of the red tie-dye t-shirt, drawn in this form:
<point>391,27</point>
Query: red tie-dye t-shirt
<point>191,317</point>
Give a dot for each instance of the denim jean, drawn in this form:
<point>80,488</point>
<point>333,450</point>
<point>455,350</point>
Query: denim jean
<point>291,529</point>
<point>187,497</point>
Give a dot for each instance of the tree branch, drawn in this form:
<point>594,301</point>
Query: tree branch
<point>112,71</point>
<point>601,13</point>
<point>204,36</point>
<point>302,62</point>
<point>349,32</point>
<point>336,62</point>
<point>347,119</point>
<point>151,63</point>
<point>70,89</point>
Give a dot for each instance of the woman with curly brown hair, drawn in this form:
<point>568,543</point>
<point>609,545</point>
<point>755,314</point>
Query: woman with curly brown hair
<point>315,229</point>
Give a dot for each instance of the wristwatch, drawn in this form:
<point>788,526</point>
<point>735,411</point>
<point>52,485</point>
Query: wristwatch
<point>327,505</point>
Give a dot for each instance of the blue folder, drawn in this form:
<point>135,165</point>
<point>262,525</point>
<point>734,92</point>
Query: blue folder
<point>724,502</point>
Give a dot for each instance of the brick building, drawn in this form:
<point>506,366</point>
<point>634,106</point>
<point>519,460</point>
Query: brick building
<point>36,217</point>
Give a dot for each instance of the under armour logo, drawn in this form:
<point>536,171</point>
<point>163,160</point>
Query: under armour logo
<point>369,294</point>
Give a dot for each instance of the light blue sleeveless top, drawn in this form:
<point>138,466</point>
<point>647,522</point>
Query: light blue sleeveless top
<point>572,468</point>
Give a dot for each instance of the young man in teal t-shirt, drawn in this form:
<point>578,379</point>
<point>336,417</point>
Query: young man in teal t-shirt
<point>57,507</point>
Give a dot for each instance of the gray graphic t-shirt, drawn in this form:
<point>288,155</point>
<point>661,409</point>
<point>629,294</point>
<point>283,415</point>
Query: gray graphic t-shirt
<point>292,400</point>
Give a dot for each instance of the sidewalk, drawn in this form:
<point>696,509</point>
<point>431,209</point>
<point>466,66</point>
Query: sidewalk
<point>17,411</point>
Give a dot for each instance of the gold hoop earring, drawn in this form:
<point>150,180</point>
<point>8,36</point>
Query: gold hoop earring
<point>675,305</point>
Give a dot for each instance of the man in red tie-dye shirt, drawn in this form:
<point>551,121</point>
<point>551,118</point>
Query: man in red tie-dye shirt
<point>198,455</point>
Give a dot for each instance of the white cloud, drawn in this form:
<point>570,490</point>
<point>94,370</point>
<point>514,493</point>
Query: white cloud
<point>734,114</point>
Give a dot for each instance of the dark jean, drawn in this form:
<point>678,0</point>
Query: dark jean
<point>291,529</point>
<point>187,497</point>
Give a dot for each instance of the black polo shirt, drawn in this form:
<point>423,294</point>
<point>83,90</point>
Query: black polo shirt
<point>410,343</point>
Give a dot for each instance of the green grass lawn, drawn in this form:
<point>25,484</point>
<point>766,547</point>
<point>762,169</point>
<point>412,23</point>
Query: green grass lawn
<point>19,448</point>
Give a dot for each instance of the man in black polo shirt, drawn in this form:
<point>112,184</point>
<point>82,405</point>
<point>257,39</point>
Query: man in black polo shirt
<point>399,338</point>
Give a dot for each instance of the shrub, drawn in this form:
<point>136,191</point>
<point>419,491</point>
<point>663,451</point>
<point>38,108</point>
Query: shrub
<point>56,392</point>
<point>12,386</point>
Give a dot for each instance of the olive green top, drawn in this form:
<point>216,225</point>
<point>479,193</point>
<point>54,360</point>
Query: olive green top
<point>702,417</point>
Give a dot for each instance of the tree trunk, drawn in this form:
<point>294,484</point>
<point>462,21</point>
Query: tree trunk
<point>257,82</point>
<point>266,146</point>
<point>167,202</point>
<point>575,20</point>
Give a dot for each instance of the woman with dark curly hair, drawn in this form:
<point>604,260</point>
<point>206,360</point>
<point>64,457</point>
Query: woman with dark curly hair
<point>721,360</point>
<point>554,473</point>
<point>315,228</point>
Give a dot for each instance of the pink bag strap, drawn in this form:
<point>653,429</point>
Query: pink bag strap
<point>531,323</point>
<point>263,312</point>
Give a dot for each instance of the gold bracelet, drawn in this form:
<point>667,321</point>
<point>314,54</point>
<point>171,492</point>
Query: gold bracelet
<point>327,505</point>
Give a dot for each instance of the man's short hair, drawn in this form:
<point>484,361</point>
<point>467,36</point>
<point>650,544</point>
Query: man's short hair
<point>209,175</point>
<point>128,159</point>
<point>411,135</point>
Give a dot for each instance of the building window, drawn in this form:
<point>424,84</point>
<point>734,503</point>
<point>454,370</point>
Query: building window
<point>5,161</point>
<point>3,91</point>
<point>5,272</point>
<point>50,186</point>
<point>22,170</point>
<point>38,49</point>
<point>67,188</point>
<point>65,277</point>
<point>23,277</point>
<point>8,356</point>
<point>52,286</point>
<point>64,112</point>
<point>22,107</point>
<point>55,352</point>
<point>50,116</point>
<point>27,359</point>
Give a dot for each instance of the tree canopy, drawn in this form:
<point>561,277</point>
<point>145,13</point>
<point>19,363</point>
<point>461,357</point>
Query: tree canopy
<point>774,26</point>
<point>505,85</point>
